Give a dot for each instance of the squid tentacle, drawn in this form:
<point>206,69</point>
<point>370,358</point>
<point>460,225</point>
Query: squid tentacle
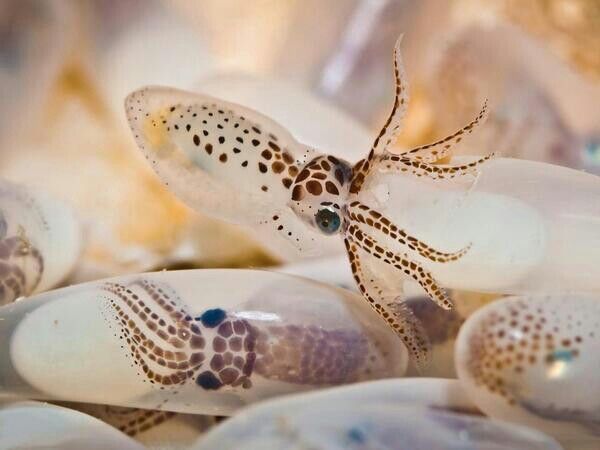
<point>162,357</point>
<point>400,262</point>
<point>396,314</point>
<point>392,127</point>
<point>176,313</point>
<point>172,352</point>
<point>399,163</point>
<point>154,323</point>
<point>435,151</point>
<point>138,351</point>
<point>377,220</point>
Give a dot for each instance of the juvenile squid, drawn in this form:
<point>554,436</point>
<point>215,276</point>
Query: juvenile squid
<point>235,163</point>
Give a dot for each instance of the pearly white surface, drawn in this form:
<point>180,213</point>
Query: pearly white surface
<point>396,414</point>
<point>68,339</point>
<point>35,425</point>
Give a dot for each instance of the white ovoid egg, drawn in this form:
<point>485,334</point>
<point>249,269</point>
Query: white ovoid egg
<point>534,361</point>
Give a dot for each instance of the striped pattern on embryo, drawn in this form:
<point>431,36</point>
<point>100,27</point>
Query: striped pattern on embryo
<point>169,347</point>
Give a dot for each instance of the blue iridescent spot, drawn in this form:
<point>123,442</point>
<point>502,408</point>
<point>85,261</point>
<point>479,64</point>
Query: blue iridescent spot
<point>212,317</point>
<point>563,355</point>
<point>208,381</point>
<point>356,435</point>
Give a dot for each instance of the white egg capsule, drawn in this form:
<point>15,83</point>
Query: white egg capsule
<point>40,242</point>
<point>201,341</point>
<point>534,360</point>
<point>391,414</point>
<point>42,425</point>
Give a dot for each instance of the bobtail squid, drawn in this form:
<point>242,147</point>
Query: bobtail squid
<point>230,161</point>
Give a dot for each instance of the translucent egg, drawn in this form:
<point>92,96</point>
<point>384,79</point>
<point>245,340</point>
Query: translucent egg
<point>534,361</point>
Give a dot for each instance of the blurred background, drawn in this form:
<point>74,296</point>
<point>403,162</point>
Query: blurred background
<point>323,69</point>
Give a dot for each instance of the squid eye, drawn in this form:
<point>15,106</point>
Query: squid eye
<point>328,221</point>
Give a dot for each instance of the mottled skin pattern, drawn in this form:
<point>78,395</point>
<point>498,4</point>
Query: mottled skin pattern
<point>260,173</point>
<point>272,157</point>
<point>170,348</point>
<point>542,342</point>
<point>21,265</point>
<point>496,355</point>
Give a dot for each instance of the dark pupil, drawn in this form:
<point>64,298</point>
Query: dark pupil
<point>328,221</point>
